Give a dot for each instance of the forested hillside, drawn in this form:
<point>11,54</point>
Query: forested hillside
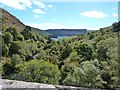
<point>65,32</point>
<point>89,60</point>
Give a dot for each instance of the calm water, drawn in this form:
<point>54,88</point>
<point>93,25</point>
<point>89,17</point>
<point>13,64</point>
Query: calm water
<point>59,37</point>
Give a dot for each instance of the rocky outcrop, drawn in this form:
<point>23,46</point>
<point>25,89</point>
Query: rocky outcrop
<point>20,85</point>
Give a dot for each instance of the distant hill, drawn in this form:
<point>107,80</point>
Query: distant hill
<point>8,20</point>
<point>66,32</point>
<point>91,31</point>
<point>41,32</point>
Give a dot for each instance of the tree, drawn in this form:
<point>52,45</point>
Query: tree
<point>66,70</point>
<point>40,55</point>
<point>25,52</point>
<point>16,34</point>
<point>73,57</point>
<point>27,33</point>
<point>4,48</point>
<point>66,52</point>
<point>20,37</point>
<point>102,53</point>
<point>90,72</point>
<point>75,78</point>
<point>85,51</point>
<point>16,59</point>
<point>14,48</point>
<point>7,67</point>
<point>91,36</point>
<point>115,27</point>
<point>11,30</point>
<point>85,75</point>
<point>8,38</point>
<point>37,71</point>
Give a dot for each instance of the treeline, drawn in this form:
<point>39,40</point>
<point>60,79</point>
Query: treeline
<point>89,60</point>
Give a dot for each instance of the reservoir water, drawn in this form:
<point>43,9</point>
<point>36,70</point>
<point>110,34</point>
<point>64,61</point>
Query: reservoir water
<point>59,37</point>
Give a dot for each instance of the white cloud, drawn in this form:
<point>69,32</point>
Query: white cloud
<point>115,15</point>
<point>45,26</point>
<point>38,11</point>
<point>50,6</point>
<point>94,14</point>
<point>40,4</point>
<point>17,4</point>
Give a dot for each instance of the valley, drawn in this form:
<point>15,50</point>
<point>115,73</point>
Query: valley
<point>86,59</point>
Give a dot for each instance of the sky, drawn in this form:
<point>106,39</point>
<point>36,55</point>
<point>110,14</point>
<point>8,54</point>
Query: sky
<point>63,15</point>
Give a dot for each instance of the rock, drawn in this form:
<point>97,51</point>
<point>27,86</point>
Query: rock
<point>20,85</point>
<point>70,88</point>
<point>13,85</point>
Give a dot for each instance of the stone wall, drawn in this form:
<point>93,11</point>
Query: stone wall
<point>20,85</point>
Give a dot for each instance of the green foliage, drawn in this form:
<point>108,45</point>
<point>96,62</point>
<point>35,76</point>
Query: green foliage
<point>7,67</point>
<point>73,57</point>
<point>8,38</point>
<point>14,48</point>
<point>37,71</point>
<point>86,76</point>
<point>91,36</point>
<point>84,50</point>
<point>40,55</point>
<point>66,69</point>
<point>16,34</point>
<point>20,37</point>
<point>66,52</point>
<point>99,38</point>
<point>102,53</point>
<point>89,60</point>
<point>16,59</point>
<point>91,73</point>
<point>27,33</point>
<point>23,49</point>
<point>4,49</point>
<point>115,27</point>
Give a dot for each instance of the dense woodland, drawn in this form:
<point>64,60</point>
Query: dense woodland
<point>89,60</point>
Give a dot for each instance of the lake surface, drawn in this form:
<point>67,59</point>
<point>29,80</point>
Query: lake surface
<point>59,37</point>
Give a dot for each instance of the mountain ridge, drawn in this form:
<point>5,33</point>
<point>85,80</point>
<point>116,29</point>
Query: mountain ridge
<point>66,32</point>
<point>9,20</point>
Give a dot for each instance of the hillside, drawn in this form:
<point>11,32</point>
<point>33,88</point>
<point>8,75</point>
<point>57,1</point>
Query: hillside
<point>41,32</point>
<point>8,20</point>
<point>88,60</point>
<point>66,32</point>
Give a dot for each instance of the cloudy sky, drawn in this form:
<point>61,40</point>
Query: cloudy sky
<point>54,15</point>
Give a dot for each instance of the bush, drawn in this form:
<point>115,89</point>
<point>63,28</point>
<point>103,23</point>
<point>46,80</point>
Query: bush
<point>85,51</point>
<point>91,36</point>
<point>16,59</point>
<point>8,38</point>
<point>37,71</point>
